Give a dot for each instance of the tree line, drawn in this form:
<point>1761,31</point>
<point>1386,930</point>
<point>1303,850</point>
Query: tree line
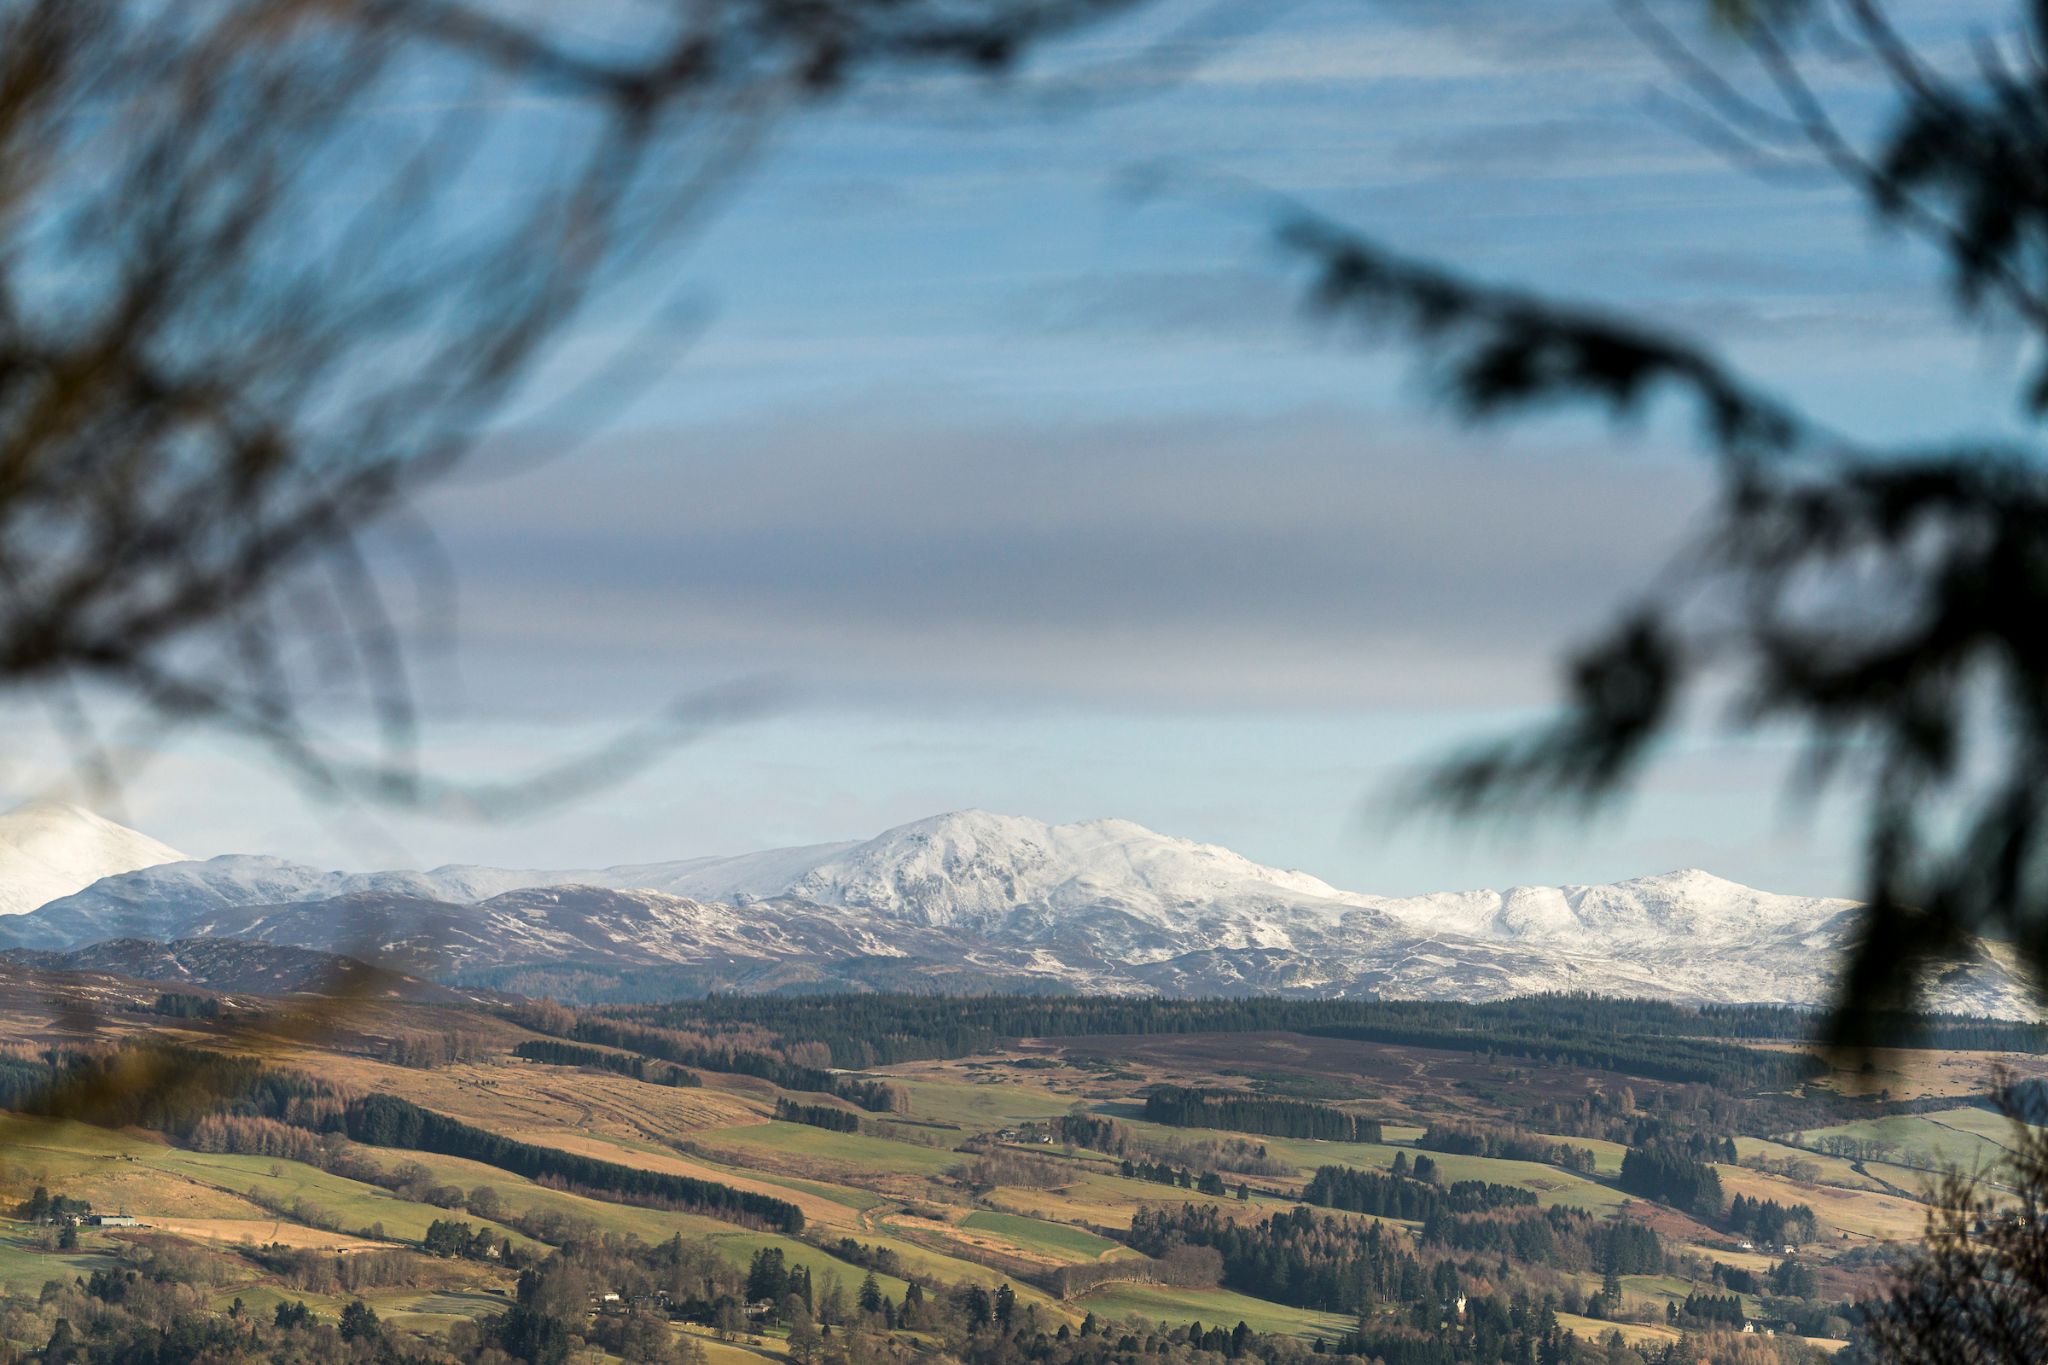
<point>149,1084</point>
<point>585,1026</point>
<point>1564,1239</point>
<point>1301,1258</point>
<point>1669,1174</point>
<point>1510,1144</point>
<point>1653,1038</point>
<point>1393,1196</point>
<point>1766,1221</point>
<point>1166,1173</point>
<point>817,1116</point>
<point>1241,1111</point>
<point>387,1121</point>
<point>558,1052</point>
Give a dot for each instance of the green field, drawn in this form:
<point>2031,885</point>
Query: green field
<point>72,1153</point>
<point>1052,1238</point>
<point>1828,1170</point>
<point>25,1268</point>
<point>1636,1334</point>
<point>989,1105</point>
<point>353,1204</point>
<point>1973,1140</point>
<point>1211,1308</point>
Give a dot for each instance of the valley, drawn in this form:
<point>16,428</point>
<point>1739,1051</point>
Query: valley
<point>1481,1199</point>
<point>980,1089</point>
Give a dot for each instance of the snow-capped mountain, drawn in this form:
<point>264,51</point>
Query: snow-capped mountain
<point>977,900</point>
<point>49,849</point>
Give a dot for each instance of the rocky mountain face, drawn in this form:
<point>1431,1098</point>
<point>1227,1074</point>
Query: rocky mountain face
<point>976,901</point>
<point>239,968</point>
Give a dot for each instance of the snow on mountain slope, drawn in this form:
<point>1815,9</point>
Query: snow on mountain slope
<point>1102,905</point>
<point>49,849</point>
<point>973,869</point>
<point>1654,913</point>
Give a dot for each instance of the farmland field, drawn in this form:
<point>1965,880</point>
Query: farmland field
<point>1052,1237</point>
<point>1032,1178</point>
<point>1210,1307</point>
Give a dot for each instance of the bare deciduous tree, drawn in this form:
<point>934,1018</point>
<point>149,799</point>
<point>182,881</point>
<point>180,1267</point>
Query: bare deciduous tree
<point>267,267</point>
<point>1976,1293</point>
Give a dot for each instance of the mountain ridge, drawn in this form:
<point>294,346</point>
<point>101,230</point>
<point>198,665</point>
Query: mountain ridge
<point>50,849</point>
<point>969,896</point>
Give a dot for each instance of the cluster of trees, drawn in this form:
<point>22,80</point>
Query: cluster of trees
<point>1093,1131</point>
<point>185,1005</point>
<point>991,1168</point>
<point>1187,1107</point>
<point>877,1097</point>
<point>256,1136</point>
<point>1563,1239</point>
<point>1767,1221</point>
<point>423,1049</point>
<point>1947,1032</point>
<point>145,1083</point>
<point>305,1270</point>
<point>1235,1154</point>
<point>1707,1310</point>
<point>1491,1328</point>
<point>1411,1197</point>
<point>1631,1249</point>
<point>817,1116</point>
<point>43,1207</point>
<point>387,1121</point>
<point>1548,1041</point>
<point>1790,1279</point>
<point>614,1029</point>
<point>1511,1144</point>
<point>447,1237</point>
<point>163,1316</point>
<point>882,1260</point>
<point>1166,1173</point>
<point>558,1052</point>
<point>771,1280</point>
<point>1669,1174</point>
<point>1852,1148</point>
<point>1299,1257</point>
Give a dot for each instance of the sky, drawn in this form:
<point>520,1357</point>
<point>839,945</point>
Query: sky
<point>985,428</point>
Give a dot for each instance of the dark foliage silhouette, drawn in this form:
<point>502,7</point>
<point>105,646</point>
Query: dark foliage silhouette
<point>270,268</point>
<point>1882,602</point>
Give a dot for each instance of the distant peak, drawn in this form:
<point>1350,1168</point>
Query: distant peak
<point>1689,878</point>
<point>51,849</point>
<point>52,806</point>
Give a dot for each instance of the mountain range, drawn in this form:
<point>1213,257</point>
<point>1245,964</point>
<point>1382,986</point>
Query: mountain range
<point>968,901</point>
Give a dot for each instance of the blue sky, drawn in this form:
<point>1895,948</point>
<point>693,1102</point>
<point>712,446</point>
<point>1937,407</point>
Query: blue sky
<point>990,426</point>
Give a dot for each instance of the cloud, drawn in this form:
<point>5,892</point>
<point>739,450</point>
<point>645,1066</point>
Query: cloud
<point>1310,559</point>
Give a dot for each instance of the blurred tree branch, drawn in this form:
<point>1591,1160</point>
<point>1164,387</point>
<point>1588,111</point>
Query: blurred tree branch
<point>269,267</point>
<point>1884,603</point>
